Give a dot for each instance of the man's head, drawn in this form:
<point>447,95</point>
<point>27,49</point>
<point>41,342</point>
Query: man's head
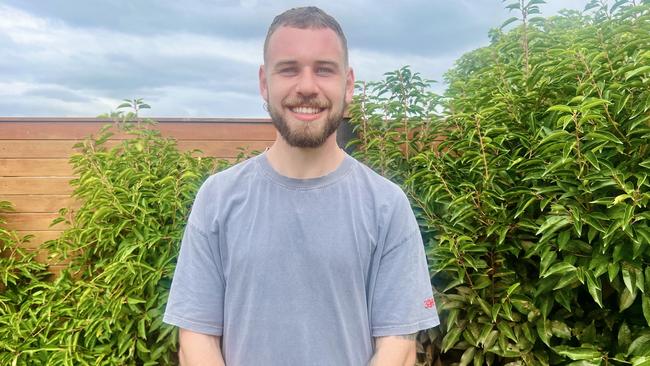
<point>308,17</point>
<point>305,79</point>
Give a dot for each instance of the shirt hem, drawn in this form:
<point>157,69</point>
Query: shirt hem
<point>411,328</point>
<point>193,326</point>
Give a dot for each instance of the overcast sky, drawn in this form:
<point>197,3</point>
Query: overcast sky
<point>200,58</point>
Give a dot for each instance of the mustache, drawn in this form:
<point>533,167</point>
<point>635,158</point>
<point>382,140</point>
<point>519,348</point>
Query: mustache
<point>305,102</point>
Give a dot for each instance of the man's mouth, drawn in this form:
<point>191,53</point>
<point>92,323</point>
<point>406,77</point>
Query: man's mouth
<point>306,110</point>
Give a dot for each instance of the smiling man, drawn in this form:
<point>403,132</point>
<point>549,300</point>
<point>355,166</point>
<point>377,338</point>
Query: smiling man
<point>301,255</point>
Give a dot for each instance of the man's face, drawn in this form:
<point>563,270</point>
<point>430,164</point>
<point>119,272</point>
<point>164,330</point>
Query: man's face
<point>306,84</point>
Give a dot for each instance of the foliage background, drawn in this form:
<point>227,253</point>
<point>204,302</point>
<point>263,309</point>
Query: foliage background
<point>529,179</point>
<point>106,308</point>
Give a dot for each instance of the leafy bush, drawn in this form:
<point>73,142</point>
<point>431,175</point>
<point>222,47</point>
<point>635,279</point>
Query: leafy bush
<point>21,279</point>
<point>106,307</point>
<point>529,178</point>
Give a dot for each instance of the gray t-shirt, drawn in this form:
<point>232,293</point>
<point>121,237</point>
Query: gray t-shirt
<point>301,271</point>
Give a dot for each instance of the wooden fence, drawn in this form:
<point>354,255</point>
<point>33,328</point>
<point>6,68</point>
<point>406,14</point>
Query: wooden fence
<point>35,174</point>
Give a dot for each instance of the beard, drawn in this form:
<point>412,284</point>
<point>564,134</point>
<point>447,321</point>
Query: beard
<point>305,135</point>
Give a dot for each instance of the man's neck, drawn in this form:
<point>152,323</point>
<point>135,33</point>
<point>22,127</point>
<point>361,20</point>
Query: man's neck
<point>305,163</point>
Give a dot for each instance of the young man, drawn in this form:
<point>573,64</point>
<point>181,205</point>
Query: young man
<point>301,255</point>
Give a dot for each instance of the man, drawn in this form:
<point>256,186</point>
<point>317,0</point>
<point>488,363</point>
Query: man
<point>301,255</point>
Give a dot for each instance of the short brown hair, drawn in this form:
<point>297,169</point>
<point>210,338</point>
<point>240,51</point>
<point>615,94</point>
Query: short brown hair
<point>304,18</point>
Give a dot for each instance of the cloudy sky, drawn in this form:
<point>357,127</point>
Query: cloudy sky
<point>199,58</point>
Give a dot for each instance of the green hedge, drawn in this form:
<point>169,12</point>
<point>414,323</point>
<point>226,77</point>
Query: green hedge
<point>535,204</point>
<point>106,307</point>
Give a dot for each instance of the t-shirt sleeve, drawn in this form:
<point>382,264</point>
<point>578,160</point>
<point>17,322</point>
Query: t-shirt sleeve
<point>402,300</point>
<point>196,296</point>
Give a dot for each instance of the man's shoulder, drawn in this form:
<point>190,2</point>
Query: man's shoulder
<point>233,174</point>
<point>223,183</point>
<point>375,182</point>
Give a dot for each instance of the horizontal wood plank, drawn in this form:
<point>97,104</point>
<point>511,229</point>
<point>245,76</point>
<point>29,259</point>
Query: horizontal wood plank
<point>40,203</point>
<point>227,149</point>
<point>38,237</point>
<point>35,185</point>
<point>63,149</point>
<point>262,130</point>
<point>43,256</point>
<point>35,168</point>
<point>31,221</point>
<point>37,149</point>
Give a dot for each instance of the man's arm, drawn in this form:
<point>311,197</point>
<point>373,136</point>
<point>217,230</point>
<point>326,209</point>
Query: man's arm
<point>394,351</point>
<point>197,349</point>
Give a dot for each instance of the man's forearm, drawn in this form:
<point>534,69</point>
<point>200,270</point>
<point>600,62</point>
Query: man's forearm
<point>394,351</point>
<point>199,349</point>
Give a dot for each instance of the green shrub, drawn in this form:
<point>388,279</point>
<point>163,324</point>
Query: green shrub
<point>106,308</point>
<point>21,279</point>
<point>534,204</point>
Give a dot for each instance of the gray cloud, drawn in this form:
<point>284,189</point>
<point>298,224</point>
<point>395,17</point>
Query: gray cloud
<point>200,57</point>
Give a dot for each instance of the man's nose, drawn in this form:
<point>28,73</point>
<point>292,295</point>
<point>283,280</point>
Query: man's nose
<point>307,85</point>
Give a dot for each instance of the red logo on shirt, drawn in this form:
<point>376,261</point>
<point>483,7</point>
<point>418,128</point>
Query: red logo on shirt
<point>429,303</point>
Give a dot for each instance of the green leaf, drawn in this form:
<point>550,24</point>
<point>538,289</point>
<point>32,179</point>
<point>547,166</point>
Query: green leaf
<point>523,207</point>
<point>133,301</point>
<point>560,329</point>
<point>514,6</point>
<point>559,135</point>
<point>645,303</point>
<point>552,224</point>
<point>560,108</point>
<point>645,163</point>
<point>563,239</point>
<point>544,331</point>
<point>142,333</point>
<point>629,278</point>
<point>547,259</point>
<point>627,216</point>
<point>620,198</point>
<point>509,21</point>
<point>141,346</point>
<point>589,104</point>
<point>450,339</point>
<point>640,346</point>
<point>566,280</point>
<point>561,267</point>
<point>512,288</point>
<point>588,334</point>
<point>641,361</point>
<point>626,299</point>
<point>624,336</point>
<point>637,71</point>
<point>506,329</point>
<point>490,339</point>
<point>603,136</point>
<point>467,356</point>
<point>578,353</point>
<point>594,286</point>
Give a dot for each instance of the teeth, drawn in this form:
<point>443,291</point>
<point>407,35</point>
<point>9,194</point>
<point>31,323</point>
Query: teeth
<point>305,110</point>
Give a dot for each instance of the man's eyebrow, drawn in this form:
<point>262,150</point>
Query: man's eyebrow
<point>331,64</point>
<point>286,63</point>
<point>281,64</point>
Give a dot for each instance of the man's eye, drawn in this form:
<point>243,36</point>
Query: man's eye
<point>288,71</point>
<point>324,71</point>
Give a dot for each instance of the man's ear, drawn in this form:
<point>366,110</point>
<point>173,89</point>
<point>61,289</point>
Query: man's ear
<point>264,89</point>
<point>349,86</point>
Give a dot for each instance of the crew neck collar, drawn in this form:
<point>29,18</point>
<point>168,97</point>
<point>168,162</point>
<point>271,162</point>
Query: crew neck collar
<point>309,183</point>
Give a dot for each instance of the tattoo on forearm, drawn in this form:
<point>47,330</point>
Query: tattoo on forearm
<point>408,336</point>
